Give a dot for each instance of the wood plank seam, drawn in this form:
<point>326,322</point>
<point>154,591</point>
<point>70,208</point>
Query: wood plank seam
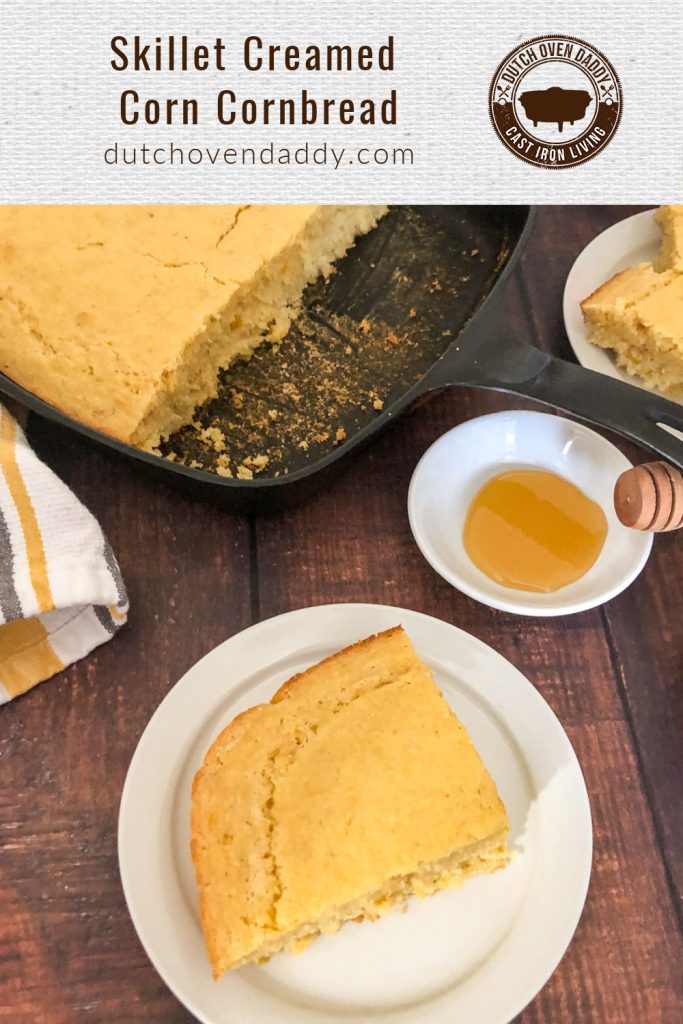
<point>628,718</point>
<point>254,580</point>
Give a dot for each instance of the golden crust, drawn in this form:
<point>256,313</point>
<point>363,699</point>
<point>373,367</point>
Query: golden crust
<point>638,313</point>
<point>122,316</point>
<point>298,820</point>
<point>226,738</point>
<point>285,691</point>
<point>625,285</point>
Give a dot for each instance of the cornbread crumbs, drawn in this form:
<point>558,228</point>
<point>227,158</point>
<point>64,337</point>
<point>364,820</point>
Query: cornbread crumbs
<point>256,462</point>
<point>213,437</point>
<point>335,371</point>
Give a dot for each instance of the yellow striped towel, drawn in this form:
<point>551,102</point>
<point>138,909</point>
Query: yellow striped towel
<point>61,592</point>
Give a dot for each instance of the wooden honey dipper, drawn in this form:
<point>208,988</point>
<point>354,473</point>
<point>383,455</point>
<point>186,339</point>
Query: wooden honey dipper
<point>650,497</point>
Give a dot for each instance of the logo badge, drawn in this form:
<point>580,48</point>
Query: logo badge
<point>555,101</point>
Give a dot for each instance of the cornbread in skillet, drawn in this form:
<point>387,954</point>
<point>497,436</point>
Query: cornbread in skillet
<point>122,316</point>
<point>638,314</point>
<point>355,787</point>
<point>670,220</point>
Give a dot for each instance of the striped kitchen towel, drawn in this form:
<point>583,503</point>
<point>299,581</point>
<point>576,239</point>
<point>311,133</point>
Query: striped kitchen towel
<point>61,592</point>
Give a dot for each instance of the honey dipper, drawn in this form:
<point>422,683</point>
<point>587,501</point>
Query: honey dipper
<point>650,497</point>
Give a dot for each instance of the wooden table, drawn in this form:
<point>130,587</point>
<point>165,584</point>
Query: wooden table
<point>68,951</point>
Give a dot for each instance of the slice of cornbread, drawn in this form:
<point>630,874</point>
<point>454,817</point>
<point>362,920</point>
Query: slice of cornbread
<point>670,220</point>
<point>620,292</point>
<point>122,316</point>
<point>355,787</point>
<point>638,315</point>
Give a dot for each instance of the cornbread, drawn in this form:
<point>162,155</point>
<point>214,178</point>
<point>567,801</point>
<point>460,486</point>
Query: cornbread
<point>638,314</point>
<point>355,787</point>
<point>122,316</point>
<point>670,220</point>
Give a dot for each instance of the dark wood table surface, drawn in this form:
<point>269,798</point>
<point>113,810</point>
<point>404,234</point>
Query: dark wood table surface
<point>196,575</point>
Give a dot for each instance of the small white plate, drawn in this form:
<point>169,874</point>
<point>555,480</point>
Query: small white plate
<point>456,466</point>
<point>480,953</point>
<point>625,244</point>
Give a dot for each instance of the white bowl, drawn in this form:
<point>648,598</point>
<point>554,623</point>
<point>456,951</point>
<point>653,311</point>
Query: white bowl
<point>456,466</point>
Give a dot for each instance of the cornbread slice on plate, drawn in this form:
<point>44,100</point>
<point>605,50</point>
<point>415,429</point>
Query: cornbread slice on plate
<point>670,220</point>
<point>122,316</point>
<point>638,315</point>
<point>355,787</point>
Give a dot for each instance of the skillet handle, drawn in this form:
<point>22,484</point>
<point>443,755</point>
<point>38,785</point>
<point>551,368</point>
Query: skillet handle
<point>628,410</point>
<point>515,367</point>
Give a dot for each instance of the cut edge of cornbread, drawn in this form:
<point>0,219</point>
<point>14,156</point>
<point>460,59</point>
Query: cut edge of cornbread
<point>243,918</point>
<point>260,311</point>
<point>608,311</point>
<point>428,878</point>
<point>614,319</point>
<point>670,256</point>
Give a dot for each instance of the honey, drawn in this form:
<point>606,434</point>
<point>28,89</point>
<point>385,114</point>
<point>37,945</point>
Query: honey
<point>532,530</point>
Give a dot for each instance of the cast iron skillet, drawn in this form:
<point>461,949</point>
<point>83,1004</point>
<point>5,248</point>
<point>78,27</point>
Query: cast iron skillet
<point>417,305</point>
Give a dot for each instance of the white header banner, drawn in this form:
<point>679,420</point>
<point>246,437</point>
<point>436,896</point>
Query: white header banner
<point>438,102</point>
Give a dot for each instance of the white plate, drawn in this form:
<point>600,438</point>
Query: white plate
<point>451,472</point>
<point>625,244</point>
<point>475,954</point>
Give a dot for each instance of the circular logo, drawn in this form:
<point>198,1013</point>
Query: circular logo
<point>555,101</point>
